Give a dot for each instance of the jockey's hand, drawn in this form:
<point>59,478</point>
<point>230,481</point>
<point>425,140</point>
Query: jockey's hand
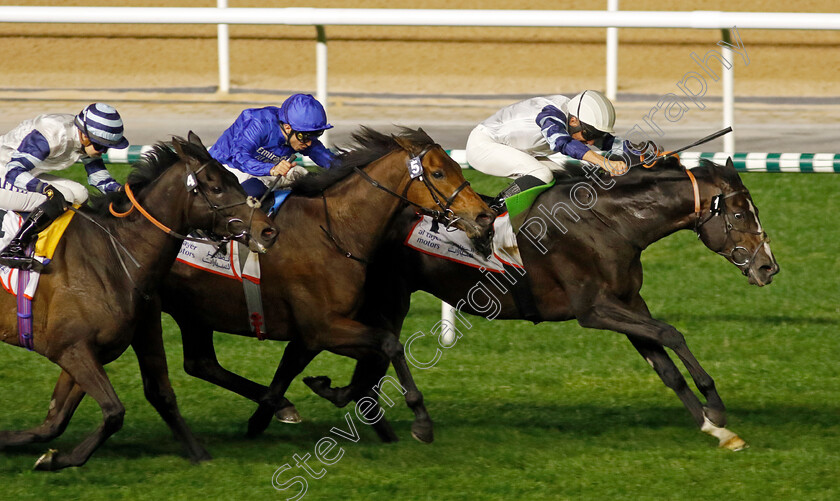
<point>53,195</point>
<point>282,168</point>
<point>615,167</point>
<point>293,175</point>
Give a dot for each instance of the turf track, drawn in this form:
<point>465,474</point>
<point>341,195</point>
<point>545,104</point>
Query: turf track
<point>521,412</point>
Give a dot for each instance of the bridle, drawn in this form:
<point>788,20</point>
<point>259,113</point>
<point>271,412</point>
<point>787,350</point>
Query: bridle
<point>414,165</point>
<point>717,209</point>
<point>444,215</point>
<point>194,187</point>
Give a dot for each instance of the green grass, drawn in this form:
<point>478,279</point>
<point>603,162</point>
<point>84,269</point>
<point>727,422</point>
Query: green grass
<point>521,412</point>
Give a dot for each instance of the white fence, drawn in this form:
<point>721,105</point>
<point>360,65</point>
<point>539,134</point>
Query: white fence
<point>319,18</point>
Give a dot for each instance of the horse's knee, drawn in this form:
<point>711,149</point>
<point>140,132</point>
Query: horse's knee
<point>113,419</point>
<point>413,398</point>
<point>392,347</point>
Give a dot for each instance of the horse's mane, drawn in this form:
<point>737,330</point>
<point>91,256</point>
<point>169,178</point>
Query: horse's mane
<point>150,166</point>
<point>369,145</point>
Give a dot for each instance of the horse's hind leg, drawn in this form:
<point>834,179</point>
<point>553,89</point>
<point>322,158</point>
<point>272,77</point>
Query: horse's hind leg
<point>92,379</point>
<point>148,345</point>
<point>200,361</point>
<point>295,358</point>
<point>65,399</point>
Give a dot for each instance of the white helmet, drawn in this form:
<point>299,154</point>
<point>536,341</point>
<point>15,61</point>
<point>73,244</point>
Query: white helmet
<point>594,109</point>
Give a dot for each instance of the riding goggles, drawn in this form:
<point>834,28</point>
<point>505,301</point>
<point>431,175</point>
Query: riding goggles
<point>305,137</point>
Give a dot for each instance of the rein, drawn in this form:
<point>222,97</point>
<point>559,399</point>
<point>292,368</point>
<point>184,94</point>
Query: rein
<point>193,187</point>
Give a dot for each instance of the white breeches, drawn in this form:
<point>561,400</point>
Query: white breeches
<point>12,198</point>
<point>487,156</point>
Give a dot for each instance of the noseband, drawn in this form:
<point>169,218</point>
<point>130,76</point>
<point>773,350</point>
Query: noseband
<point>718,209</point>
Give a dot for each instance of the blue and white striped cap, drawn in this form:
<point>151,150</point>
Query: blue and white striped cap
<point>103,125</point>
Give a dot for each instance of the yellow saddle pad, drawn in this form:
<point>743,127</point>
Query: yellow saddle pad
<point>49,238</point>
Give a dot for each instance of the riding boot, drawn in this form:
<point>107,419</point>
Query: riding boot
<point>14,255</point>
<point>519,185</point>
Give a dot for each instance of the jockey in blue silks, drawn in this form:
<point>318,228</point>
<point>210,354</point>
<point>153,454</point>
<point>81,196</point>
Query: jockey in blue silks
<point>262,143</point>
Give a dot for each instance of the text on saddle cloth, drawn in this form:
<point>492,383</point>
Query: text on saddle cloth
<point>227,264</point>
<point>456,246</point>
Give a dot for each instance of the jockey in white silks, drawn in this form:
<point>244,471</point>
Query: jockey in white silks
<point>47,143</point>
<point>517,141</point>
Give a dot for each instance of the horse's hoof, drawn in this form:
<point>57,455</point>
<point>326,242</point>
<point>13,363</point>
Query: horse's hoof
<point>288,415</point>
<point>734,443</point>
<point>726,438</point>
<point>46,461</point>
<point>423,432</point>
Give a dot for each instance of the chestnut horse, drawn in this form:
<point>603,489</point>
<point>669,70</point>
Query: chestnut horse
<point>585,264</point>
<point>99,293</point>
<point>331,225</point>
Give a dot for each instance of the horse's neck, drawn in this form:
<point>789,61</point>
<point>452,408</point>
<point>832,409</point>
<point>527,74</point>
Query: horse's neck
<point>153,248</point>
<point>659,209</point>
<point>358,207</point>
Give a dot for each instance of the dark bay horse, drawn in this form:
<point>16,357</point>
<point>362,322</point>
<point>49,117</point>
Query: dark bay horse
<point>584,264</point>
<point>99,293</point>
<point>312,284</point>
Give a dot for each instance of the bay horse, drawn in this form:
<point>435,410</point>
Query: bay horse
<point>331,225</point>
<point>585,265</point>
<point>99,293</point>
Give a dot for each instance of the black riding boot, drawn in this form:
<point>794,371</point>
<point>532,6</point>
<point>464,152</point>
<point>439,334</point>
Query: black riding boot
<point>14,255</point>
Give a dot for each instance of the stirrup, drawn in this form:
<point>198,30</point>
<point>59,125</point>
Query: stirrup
<point>21,262</point>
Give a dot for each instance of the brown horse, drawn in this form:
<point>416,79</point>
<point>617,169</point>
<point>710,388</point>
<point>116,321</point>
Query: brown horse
<point>332,223</point>
<point>99,293</point>
<point>584,264</point>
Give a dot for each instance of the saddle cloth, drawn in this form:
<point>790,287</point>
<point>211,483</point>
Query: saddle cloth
<point>44,249</point>
<point>455,245</point>
<point>205,257</point>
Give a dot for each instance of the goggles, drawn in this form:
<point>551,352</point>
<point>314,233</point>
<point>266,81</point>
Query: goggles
<point>305,137</point>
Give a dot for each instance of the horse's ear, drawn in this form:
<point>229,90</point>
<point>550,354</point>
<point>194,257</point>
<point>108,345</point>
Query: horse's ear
<point>178,146</point>
<point>729,164</point>
<point>193,138</point>
<point>405,144</point>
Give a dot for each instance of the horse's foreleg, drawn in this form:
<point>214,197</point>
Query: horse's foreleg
<point>368,373</point>
<point>200,361</point>
<point>637,323</point>
<point>65,399</point>
<point>670,375</point>
<point>148,345</point>
<point>295,358</point>
<point>357,340</point>
<point>89,374</point>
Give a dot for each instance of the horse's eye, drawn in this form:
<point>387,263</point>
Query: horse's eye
<point>739,215</point>
<point>216,189</point>
<point>437,174</point>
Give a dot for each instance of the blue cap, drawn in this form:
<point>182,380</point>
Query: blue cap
<point>304,113</point>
